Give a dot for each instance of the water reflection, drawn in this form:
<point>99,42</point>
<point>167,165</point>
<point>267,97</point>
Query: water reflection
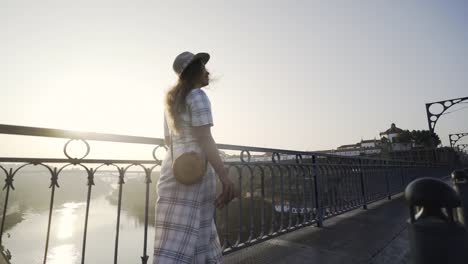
<point>63,254</point>
<point>25,236</point>
<point>66,221</point>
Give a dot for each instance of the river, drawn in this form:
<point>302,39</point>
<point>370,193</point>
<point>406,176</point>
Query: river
<point>25,238</point>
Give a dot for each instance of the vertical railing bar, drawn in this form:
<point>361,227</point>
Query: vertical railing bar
<point>390,177</point>
<point>324,193</point>
<point>262,184</point>
<point>144,258</point>
<point>318,202</point>
<point>344,171</point>
<point>400,170</point>
<point>239,231</point>
<point>387,172</point>
<point>311,178</point>
<point>349,193</point>
<point>304,198</point>
<point>344,185</point>
<point>329,195</point>
<point>351,181</point>
<point>8,185</point>
<point>290,195</point>
<point>312,214</point>
<point>296,194</point>
<point>4,214</point>
<point>273,203</point>
<point>339,178</point>
<point>363,190</point>
<point>339,190</point>
<point>331,188</point>
<point>357,184</point>
<point>356,189</point>
<point>281,198</point>
<point>373,177</point>
<point>252,204</point>
<point>90,184</point>
<point>380,180</point>
<point>368,180</point>
<point>331,202</point>
<point>353,184</point>
<point>53,183</point>
<point>334,187</point>
<point>346,200</point>
<point>226,242</point>
<point>119,207</point>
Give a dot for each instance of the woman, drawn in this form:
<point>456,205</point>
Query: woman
<point>185,228</point>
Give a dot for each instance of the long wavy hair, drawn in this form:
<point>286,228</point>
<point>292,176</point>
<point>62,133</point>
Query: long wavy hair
<point>175,97</point>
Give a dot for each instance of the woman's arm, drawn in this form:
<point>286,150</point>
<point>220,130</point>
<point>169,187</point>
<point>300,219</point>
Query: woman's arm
<point>208,145</point>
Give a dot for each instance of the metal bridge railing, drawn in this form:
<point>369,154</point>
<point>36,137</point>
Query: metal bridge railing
<point>293,189</point>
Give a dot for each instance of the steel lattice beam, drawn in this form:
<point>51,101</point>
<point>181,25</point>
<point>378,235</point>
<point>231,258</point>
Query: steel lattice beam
<point>432,118</point>
<point>462,147</point>
<point>455,137</point>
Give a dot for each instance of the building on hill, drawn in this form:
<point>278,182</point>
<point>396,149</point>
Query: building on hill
<point>392,133</point>
<point>363,148</point>
<point>391,136</point>
<point>374,147</point>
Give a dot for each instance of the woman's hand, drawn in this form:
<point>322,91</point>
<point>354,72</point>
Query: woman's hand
<point>208,145</point>
<point>229,192</point>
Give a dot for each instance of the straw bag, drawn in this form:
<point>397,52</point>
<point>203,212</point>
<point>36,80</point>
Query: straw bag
<point>189,167</point>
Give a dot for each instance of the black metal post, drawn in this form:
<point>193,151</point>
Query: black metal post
<point>460,184</point>
<point>363,189</point>
<point>435,236</point>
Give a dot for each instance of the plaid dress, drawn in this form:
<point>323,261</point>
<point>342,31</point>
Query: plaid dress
<point>185,228</point>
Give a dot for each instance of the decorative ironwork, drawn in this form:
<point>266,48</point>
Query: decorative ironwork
<point>455,137</point>
<point>243,152</point>
<point>433,117</point>
<point>292,190</point>
<point>462,147</point>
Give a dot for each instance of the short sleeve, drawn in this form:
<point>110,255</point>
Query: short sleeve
<point>200,108</point>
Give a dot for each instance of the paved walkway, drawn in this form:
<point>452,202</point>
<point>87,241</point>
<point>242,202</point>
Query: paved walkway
<point>377,235</point>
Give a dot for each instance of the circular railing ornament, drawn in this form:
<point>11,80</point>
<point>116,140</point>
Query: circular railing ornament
<point>154,152</point>
<point>242,156</point>
<point>65,148</point>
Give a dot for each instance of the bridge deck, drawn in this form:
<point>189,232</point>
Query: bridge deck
<point>377,235</point>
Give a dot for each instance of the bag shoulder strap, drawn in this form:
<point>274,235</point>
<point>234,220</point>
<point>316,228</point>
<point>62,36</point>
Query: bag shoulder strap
<point>172,149</point>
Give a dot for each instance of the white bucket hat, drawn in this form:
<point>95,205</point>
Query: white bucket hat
<point>185,58</point>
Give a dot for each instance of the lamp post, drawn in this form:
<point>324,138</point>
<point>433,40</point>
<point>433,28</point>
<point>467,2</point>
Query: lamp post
<point>433,117</point>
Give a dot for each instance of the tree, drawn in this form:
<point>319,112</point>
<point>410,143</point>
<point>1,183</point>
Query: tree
<point>419,137</point>
<point>404,137</point>
<point>424,138</point>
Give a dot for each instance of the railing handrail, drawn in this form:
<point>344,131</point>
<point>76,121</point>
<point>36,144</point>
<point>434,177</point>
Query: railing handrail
<point>71,134</point>
<point>326,184</point>
<point>63,133</point>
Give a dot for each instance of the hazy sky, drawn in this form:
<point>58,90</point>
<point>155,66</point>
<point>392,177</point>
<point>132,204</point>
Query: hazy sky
<point>303,75</point>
